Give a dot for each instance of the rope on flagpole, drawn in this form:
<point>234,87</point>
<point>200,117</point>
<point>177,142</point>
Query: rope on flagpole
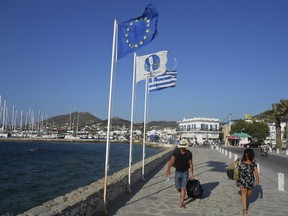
<point>175,64</point>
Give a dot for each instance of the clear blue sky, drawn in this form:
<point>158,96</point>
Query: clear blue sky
<point>232,57</point>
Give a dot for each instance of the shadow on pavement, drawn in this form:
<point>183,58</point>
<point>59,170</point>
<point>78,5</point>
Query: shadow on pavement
<point>123,199</point>
<point>217,166</point>
<point>214,166</point>
<point>257,193</point>
<point>207,188</point>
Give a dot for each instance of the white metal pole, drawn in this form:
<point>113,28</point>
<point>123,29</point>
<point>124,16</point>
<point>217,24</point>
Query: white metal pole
<point>131,127</point>
<point>109,115</point>
<point>144,129</point>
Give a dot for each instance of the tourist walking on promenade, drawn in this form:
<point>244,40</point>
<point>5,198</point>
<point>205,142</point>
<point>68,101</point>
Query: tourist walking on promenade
<point>248,177</point>
<point>182,161</point>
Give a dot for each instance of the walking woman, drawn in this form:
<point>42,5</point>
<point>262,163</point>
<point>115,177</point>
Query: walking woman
<point>249,177</point>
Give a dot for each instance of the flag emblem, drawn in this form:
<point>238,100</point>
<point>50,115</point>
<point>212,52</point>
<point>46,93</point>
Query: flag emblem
<point>151,65</point>
<point>131,42</point>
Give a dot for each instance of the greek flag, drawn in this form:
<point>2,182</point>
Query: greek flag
<point>162,81</point>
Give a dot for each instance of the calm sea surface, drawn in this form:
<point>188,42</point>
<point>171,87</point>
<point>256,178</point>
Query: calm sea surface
<point>29,178</point>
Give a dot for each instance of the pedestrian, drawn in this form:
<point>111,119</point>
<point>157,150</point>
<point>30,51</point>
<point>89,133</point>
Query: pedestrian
<point>182,161</point>
<point>248,177</point>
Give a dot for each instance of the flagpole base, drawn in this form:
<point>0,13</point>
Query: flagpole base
<point>103,212</point>
<point>129,192</point>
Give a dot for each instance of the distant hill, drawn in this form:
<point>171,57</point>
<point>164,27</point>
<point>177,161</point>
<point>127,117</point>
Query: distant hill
<point>87,119</point>
<point>118,122</point>
<point>266,115</point>
<point>159,125</point>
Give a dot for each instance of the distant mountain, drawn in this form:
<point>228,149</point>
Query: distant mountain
<point>159,125</point>
<point>118,122</point>
<point>87,119</point>
<point>266,115</point>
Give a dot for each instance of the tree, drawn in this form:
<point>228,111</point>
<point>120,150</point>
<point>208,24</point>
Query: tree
<point>284,110</point>
<point>240,126</point>
<point>258,130</point>
<point>276,113</point>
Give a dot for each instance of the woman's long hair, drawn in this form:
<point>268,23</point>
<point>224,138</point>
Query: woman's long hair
<point>248,154</point>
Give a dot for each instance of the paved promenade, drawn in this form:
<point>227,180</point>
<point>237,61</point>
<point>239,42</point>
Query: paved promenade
<point>154,196</point>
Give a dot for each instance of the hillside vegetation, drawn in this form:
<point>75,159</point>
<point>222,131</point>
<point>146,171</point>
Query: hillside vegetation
<point>87,119</point>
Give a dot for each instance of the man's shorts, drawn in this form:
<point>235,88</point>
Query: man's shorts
<point>181,179</point>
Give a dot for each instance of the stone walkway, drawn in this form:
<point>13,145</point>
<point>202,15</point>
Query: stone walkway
<point>155,196</point>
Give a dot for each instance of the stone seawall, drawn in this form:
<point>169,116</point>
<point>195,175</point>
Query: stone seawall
<point>88,200</point>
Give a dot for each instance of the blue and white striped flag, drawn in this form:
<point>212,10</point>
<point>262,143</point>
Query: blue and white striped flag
<point>163,81</point>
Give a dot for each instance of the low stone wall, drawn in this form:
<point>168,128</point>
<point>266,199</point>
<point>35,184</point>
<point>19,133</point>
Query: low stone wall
<point>89,200</point>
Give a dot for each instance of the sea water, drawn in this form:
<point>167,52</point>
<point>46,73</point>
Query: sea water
<point>32,173</point>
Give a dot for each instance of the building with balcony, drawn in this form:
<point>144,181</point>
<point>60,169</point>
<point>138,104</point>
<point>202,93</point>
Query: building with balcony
<point>199,129</point>
<point>271,139</point>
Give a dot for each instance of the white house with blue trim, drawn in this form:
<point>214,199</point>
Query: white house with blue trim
<point>200,129</point>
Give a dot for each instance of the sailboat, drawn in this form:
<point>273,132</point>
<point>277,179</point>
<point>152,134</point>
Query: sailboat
<point>3,112</point>
<point>72,135</point>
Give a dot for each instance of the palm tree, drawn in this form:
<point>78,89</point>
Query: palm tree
<point>276,113</point>
<point>284,111</point>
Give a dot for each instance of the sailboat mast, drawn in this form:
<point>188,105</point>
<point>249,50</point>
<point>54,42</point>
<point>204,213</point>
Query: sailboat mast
<point>12,117</point>
<point>21,123</point>
<point>4,115</point>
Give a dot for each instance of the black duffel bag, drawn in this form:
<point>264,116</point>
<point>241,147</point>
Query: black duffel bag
<point>194,189</point>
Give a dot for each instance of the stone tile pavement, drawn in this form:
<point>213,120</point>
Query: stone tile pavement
<point>155,196</point>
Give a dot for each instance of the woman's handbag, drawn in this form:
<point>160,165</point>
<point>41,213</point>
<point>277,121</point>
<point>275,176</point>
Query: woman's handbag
<point>230,173</point>
<point>233,170</point>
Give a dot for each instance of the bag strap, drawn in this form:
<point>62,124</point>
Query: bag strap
<point>238,162</point>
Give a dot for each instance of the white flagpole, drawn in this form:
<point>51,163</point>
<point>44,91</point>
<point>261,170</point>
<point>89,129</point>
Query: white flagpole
<point>113,62</point>
<point>131,127</point>
<point>144,131</point>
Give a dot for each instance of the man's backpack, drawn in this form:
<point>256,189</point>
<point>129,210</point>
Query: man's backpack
<point>194,189</point>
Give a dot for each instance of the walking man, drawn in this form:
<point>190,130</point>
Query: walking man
<point>182,161</point>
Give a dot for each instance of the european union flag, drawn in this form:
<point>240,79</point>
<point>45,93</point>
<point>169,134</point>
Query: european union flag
<point>137,32</point>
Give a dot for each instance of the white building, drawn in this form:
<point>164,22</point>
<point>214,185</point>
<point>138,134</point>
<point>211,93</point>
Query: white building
<point>271,139</point>
<point>200,129</point>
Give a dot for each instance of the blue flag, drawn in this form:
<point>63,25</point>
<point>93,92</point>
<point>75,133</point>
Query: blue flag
<point>162,81</point>
<point>137,32</point>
